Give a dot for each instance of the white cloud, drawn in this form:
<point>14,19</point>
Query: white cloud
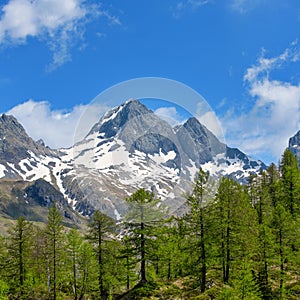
<point>210,120</point>
<point>275,114</point>
<point>56,127</point>
<point>59,23</point>
<point>265,65</point>
<point>181,6</point>
<point>169,114</point>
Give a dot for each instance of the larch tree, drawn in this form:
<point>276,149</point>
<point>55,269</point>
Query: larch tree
<point>291,182</point>
<point>238,228</point>
<point>54,249</point>
<point>19,252</point>
<point>144,216</point>
<point>101,232</point>
<point>198,202</point>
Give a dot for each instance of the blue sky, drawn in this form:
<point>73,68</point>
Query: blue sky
<point>242,56</point>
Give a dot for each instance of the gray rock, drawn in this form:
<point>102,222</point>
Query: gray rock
<point>294,145</point>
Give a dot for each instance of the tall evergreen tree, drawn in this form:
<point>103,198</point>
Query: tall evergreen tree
<point>74,243</point>
<point>282,228</point>
<point>129,262</point>
<point>170,256</point>
<point>143,217</point>
<point>54,249</point>
<point>264,193</point>
<point>236,227</point>
<point>291,182</point>
<point>198,202</point>
<point>19,250</point>
<point>101,231</point>
<point>225,206</point>
<point>82,264</point>
<point>87,270</point>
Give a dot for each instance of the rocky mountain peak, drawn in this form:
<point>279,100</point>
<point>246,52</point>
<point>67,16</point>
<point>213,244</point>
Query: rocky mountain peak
<point>15,142</point>
<point>9,125</point>
<point>117,117</point>
<point>295,140</point>
<point>198,142</point>
<point>130,147</point>
<point>294,145</point>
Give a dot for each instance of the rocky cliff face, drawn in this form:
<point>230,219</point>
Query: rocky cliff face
<point>19,152</point>
<point>15,144</point>
<point>130,147</point>
<point>294,145</point>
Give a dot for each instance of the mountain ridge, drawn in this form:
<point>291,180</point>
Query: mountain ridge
<point>128,148</point>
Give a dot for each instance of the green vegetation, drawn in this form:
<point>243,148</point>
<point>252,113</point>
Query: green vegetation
<point>235,242</point>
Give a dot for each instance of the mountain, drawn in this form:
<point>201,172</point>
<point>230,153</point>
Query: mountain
<point>294,145</point>
<point>18,151</point>
<point>30,179</point>
<point>130,147</point>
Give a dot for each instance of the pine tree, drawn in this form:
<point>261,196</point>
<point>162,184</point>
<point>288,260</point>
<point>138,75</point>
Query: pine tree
<point>168,252</point>
<point>291,182</point>
<point>198,203</point>
<point>87,270</point>
<point>262,200</point>
<point>243,286</point>
<point>225,208</point>
<point>237,228</point>
<point>282,229</point>
<point>74,243</point>
<point>129,262</point>
<point>19,247</point>
<point>143,217</point>
<point>54,248</point>
<point>288,231</point>
<point>101,232</point>
<point>81,260</point>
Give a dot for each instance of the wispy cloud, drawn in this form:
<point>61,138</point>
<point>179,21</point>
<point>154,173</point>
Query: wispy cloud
<point>58,23</point>
<point>275,113</point>
<point>244,6</point>
<point>211,121</point>
<point>170,115</point>
<point>184,5</point>
<point>56,127</point>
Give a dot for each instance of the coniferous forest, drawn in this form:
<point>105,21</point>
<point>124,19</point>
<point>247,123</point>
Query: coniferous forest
<point>234,242</point>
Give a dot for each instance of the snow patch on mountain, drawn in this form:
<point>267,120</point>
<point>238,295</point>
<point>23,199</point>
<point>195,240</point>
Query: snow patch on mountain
<point>129,148</point>
<point>221,165</point>
<point>160,157</point>
<point>192,169</point>
<point>2,171</point>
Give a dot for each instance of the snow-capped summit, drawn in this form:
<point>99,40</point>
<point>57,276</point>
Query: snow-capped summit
<point>131,147</point>
<point>116,118</point>
<point>128,148</point>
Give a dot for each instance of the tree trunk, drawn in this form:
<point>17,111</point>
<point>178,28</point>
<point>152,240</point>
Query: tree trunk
<point>75,277</point>
<point>227,261</point>
<point>127,275</point>
<point>281,264</point>
<point>169,268</point>
<point>203,255</point>
<point>143,258</point>
<point>54,268</point>
<point>100,263</point>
